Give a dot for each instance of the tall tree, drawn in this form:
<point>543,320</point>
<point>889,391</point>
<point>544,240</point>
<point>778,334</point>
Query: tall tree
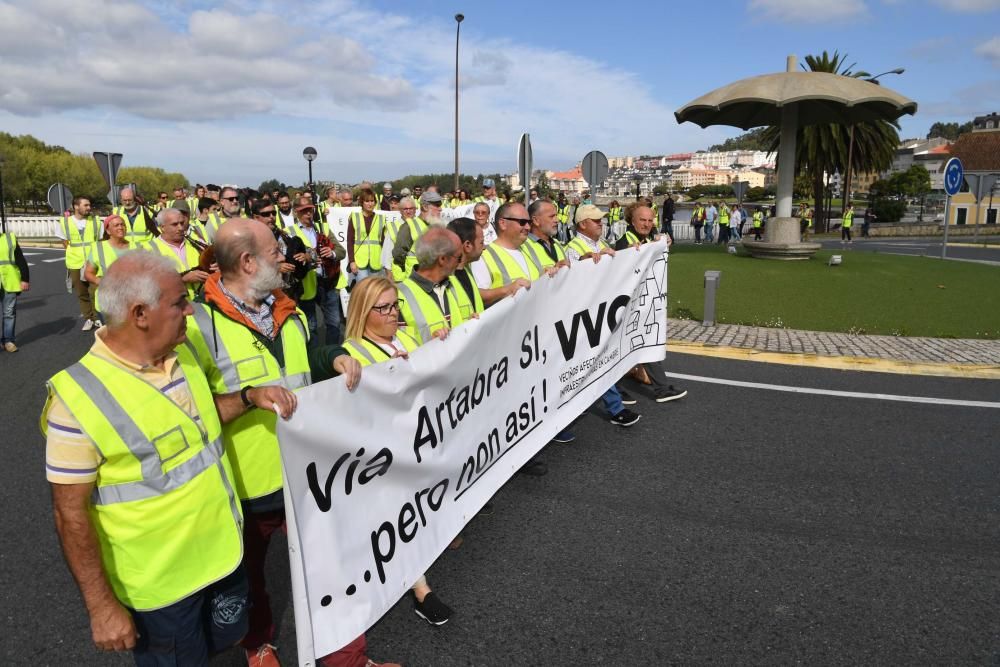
<point>823,149</point>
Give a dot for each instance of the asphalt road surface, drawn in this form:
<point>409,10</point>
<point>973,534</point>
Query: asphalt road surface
<point>744,524</point>
<point>918,246</point>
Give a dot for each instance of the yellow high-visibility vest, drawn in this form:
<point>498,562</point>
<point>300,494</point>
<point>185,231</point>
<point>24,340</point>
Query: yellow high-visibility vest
<point>232,359</point>
<point>102,255</point>
<point>579,245</point>
<point>504,269</point>
<point>76,251</point>
<point>10,275</point>
<point>139,231</point>
<point>423,315</point>
<point>368,352</point>
<point>167,519</point>
<point>368,245</point>
<point>537,253</point>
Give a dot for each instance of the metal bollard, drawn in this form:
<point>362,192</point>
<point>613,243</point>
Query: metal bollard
<point>712,279</point>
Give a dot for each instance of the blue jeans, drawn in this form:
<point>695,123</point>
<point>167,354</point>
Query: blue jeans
<point>612,401</point>
<point>9,309</point>
<point>328,302</point>
<point>188,632</point>
<point>709,226</point>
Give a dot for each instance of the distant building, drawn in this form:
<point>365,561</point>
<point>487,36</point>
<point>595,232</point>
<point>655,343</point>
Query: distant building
<point>570,182</point>
<point>979,152</point>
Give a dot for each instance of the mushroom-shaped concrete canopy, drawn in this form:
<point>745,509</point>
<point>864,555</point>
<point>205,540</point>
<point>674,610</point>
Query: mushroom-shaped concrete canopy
<point>791,99</point>
<point>821,98</point>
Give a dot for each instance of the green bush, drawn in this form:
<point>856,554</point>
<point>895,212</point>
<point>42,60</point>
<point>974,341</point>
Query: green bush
<point>888,210</point>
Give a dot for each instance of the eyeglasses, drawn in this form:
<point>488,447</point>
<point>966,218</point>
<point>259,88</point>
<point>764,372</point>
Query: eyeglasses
<point>523,221</point>
<point>386,308</point>
<point>163,196</point>
<point>408,208</point>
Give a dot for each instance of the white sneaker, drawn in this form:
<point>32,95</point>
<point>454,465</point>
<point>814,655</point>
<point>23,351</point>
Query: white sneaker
<point>98,324</point>
<point>87,325</point>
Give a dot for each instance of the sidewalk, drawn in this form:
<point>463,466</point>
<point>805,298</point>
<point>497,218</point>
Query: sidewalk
<point>890,354</point>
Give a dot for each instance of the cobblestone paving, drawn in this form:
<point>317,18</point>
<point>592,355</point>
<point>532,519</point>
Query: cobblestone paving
<point>897,348</point>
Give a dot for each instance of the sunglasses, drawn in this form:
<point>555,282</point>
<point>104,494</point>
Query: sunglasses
<point>230,198</point>
<point>267,214</point>
<point>523,221</point>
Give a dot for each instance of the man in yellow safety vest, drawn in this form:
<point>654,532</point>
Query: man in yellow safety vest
<point>77,233</point>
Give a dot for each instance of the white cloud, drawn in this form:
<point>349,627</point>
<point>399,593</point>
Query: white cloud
<point>233,94</point>
<point>807,11</point>
<point>969,6</point>
<point>990,50</point>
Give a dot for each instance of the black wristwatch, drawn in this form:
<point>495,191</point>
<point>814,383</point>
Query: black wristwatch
<point>247,403</point>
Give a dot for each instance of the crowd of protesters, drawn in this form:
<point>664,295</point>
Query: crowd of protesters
<point>161,446</point>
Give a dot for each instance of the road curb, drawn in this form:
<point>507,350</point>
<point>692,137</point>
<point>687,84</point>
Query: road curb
<point>968,371</point>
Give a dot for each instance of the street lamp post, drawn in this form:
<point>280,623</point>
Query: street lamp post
<point>309,153</point>
<point>458,28</point>
<point>850,148</point>
<point>3,209</point>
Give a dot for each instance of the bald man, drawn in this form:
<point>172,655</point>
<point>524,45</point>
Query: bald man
<point>247,322</point>
<point>429,301</point>
<point>138,219</point>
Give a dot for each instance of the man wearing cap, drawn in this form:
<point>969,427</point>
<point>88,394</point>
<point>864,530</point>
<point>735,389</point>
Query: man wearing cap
<point>408,211</point>
<point>404,257</point>
<point>489,196</point>
<point>587,242</point>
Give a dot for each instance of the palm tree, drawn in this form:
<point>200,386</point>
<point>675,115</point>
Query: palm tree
<point>823,149</point>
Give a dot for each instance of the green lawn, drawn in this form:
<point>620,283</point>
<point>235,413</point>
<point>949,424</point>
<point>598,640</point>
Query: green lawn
<point>869,293</point>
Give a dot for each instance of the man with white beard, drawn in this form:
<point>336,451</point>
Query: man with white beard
<point>403,255</point>
<point>251,342</point>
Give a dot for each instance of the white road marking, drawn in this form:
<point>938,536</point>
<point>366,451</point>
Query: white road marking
<point>834,392</point>
<point>57,259</point>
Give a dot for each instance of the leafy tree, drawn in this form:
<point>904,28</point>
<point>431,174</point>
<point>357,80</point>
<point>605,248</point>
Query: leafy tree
<point>754,140</point>
<point>272,184</point>
<point>949,131</point>
<point>823,149</point>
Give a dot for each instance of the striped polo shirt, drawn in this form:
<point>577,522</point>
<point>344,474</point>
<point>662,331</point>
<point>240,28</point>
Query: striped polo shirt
<point>71,457</point>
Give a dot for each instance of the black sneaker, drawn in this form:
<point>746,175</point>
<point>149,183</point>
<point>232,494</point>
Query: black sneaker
<point>627,398</point>
<point>432,609</point>
<point>668,393</point>
<point>534,468</point>
<point>564,437</point>
<point>626,418</point>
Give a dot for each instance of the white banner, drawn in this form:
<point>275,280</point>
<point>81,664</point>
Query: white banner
<point>337,219</point>
<point>382,479</point>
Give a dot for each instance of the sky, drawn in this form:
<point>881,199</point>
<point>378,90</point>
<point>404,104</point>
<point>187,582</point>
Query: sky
<point>233,91</point>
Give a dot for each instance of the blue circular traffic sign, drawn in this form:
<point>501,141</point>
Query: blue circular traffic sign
<point>954,175</point>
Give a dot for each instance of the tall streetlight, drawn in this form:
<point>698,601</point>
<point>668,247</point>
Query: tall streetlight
<point>3,209</point>
<point>458,29</point>
<point>309,153</point>
<point>850,148</point>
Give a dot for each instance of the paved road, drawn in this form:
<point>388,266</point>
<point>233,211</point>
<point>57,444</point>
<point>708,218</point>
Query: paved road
<point>739,525</point>
<point>920,246</point>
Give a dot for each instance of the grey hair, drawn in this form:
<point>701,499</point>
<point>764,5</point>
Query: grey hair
<point>161,217</point>
<point>429,248</point>
<point>407,200</point>
<point>478,204</point>
<point>133,279</point>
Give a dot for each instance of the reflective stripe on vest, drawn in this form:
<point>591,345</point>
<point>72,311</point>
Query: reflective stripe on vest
<point>474,304</point>
<point>537,253</point>
<point>238,360</point>
<point>367,247</point>
<point>76,255</point>
<point>503,267</point>
<point>163,490</point>
<point>367,353</point>
<point>137,232</point>
<point>423,311</point>
<point>583,248</point>
<point>10,275</point>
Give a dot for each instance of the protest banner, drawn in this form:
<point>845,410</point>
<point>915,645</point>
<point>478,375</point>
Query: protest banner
<point>378,481</point>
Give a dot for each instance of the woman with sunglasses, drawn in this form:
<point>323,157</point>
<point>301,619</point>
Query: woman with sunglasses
<point>373,335</point>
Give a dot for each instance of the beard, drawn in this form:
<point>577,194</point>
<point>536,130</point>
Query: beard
<point>433,220</point>
<point>266,280</point>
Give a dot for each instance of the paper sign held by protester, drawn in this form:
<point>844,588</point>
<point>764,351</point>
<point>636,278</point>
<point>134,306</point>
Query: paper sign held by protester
<point>383,478</point>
